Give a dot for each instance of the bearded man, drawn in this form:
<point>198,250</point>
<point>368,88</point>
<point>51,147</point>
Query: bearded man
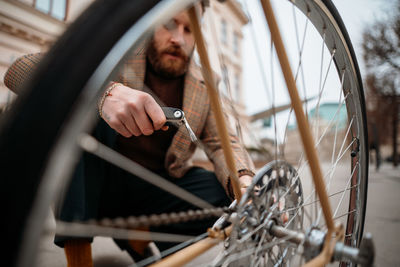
<point>161,73</point>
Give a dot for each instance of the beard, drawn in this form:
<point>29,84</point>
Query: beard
<point>165,67</point>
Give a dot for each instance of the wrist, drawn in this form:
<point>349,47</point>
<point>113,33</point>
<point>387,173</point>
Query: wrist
<point>107,93</point>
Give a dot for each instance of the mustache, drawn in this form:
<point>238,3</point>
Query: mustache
<point>176,51</point>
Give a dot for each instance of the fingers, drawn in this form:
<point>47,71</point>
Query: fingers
<point>148,115</point>
<point>121,120</point>
<point>131,125</point>
<point>245,181</point>
<point>117,125</point>
<point>155,113</point>
<point>123,130</point>
<point>243,190</point>
<point>132,112</point>
<point>143,122</point>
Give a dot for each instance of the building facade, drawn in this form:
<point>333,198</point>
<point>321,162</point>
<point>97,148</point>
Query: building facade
<point>223,29</point>
<point>31,26</point>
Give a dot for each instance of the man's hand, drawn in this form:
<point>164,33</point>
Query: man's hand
<point>132,112</point>
<point>244,182</point>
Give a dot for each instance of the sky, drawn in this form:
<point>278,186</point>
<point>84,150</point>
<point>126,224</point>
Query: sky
<point>317,72</point>
<point>356,14</point>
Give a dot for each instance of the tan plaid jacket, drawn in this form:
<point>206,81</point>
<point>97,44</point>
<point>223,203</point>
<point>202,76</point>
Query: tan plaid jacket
<point>196,106</point>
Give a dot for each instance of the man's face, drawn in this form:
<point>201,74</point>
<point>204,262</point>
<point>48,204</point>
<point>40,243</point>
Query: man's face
<point>171,47</point>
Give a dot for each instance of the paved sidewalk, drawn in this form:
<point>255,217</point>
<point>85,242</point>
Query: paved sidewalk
<point>383,214</point>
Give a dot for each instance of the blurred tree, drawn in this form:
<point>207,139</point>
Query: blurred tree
<point>381,48</point>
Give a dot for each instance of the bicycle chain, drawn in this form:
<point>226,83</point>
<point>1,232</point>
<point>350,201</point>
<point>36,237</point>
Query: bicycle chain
<point>134,222</point>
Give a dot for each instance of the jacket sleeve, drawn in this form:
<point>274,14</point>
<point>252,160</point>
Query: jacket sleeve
<point>243,162</point>
<point>21,70</point>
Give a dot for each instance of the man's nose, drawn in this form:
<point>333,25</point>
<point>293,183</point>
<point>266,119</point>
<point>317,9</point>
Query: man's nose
<point>177,35</point>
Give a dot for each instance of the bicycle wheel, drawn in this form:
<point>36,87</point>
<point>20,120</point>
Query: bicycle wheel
<point>63,95</point>
<point>340,138</point>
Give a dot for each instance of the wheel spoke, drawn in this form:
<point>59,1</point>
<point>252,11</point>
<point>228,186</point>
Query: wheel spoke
<point>272,86</point>
<point>73,229</point>
<point>339,107</point>
<point>347,188</point>
<point>344,214</point>
<point>333,169</point>
<point>169,251</point>
<point>91,145</point>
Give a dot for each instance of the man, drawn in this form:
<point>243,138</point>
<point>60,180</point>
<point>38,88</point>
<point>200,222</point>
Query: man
<point>133,124</point>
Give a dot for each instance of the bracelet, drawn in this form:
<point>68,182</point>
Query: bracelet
<point>103,98</point>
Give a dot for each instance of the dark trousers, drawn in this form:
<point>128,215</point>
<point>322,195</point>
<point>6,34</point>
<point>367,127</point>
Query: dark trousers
<point>100,190</point>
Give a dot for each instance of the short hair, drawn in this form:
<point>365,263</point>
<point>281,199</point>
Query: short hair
<point>204,4</point>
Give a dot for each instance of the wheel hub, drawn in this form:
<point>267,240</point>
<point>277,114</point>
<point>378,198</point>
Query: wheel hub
<point>275,195</point>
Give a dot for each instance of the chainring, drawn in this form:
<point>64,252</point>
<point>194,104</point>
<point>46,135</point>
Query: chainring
<point>275,195</point>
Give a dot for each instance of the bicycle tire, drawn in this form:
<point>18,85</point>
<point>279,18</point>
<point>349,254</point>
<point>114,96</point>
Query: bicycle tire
<point>51,99</point>
<point>56,88</point>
